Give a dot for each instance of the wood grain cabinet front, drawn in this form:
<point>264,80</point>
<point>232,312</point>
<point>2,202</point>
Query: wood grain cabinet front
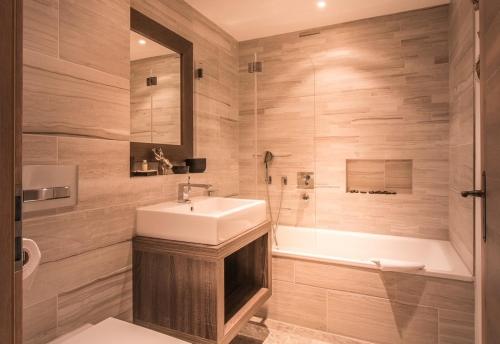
<point>201,293</point>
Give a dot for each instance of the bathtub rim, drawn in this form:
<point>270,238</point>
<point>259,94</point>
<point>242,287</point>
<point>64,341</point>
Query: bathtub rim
<point>367,265</point>
<point>296,253</point>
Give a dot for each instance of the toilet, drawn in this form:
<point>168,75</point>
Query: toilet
<point>114,331</point>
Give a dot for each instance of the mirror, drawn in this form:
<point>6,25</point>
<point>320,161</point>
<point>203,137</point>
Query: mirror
<point>161,92</point>
<point>155,92</point>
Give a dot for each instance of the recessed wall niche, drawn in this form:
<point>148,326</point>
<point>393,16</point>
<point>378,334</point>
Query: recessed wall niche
<point>379,176</point>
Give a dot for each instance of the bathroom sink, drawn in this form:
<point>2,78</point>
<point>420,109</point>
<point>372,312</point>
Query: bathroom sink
<point>206,220</point>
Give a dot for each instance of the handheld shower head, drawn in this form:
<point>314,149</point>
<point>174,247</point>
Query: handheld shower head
<point>268,157</point>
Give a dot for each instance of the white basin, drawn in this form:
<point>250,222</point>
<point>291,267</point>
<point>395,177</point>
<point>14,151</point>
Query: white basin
<point>206,220</point>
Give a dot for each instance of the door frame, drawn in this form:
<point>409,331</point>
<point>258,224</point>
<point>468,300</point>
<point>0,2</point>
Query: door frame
<point>479,167</point>
<point>490,65</point>
<point>10,156</point>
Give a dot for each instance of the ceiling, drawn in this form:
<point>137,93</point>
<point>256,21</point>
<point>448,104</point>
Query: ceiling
<point>149,48</point>
<point>246,20</point>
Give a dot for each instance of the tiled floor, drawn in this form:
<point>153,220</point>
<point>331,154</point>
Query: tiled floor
<point>268,331</point>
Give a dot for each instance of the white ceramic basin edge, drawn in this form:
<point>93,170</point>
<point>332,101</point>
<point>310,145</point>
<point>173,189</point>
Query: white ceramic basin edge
<point>206,220</point>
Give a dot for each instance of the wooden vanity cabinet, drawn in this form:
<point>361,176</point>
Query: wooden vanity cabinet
<point>201,293</point>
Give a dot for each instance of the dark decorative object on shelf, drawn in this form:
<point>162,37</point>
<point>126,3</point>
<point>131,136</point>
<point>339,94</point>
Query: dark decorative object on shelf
<point>198,165</point>
<point>140,173</point>
<point>180,169</point>
<point>377,192</point>
<point>152,81</point>
<point>199,73</point>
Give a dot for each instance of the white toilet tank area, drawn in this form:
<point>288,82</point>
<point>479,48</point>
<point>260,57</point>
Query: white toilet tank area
<point>114,331</point>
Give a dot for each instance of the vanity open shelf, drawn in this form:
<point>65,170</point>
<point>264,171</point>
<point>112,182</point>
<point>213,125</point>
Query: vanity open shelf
<point>201,293</point>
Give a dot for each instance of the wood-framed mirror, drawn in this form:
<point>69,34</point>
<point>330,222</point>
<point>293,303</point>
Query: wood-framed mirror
<point>161,92</point>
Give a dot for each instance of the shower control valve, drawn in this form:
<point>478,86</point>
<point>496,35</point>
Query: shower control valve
<point>305,180</point>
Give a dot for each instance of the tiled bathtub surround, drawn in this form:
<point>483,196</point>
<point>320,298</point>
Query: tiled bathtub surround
<point>365,304</point>
<point>77,111</point>
<point>371,89</point>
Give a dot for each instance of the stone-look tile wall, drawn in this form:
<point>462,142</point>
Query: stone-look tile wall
<point>77,111</point>
<point>462,128</point>
<point>371,89</point>
<point>366,304</point>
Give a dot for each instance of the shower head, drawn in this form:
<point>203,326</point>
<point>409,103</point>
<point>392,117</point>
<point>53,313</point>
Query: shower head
<point>268,157</point>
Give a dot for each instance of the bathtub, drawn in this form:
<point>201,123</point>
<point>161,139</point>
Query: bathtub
<point>437,258</point>
<point>328,280</point>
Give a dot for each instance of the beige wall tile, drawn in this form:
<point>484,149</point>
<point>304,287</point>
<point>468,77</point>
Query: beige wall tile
<point>75,70</point>
<point>87,27</point>
<point>365,175</point>
<point>81,98</point>
<point>297,113</point>
<point>400,214</point>
<point>39,150</point>
<point>93,303</point>
<point>380,320</point>
<point>462,226</point>
<point>41,26</point>
<point>283,269</point>
<point>399,175</point>
<point>351,279</point>
<point>69,234</point>
<point>297,304</point>
<point>40,322</point>
<point>436,292</point>
<point>74,272</point>
<point>104,177</point>
<point>372,89</point>
<point>461,158</point>
<point>61,104</point>
<point>456,327</point>
<point>295,211</point>
<point>330,154</point>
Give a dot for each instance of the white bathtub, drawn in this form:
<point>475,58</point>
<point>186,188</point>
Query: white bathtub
<point>361,249</point>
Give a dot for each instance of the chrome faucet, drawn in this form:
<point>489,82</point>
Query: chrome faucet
<point>184,190</point>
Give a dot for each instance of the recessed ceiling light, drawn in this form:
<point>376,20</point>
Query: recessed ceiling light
<point>321,4</point>
<point>142,41</point>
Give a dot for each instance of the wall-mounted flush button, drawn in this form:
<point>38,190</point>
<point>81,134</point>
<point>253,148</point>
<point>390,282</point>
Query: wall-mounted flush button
<point>305,180</point>
<point>49,187</point>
